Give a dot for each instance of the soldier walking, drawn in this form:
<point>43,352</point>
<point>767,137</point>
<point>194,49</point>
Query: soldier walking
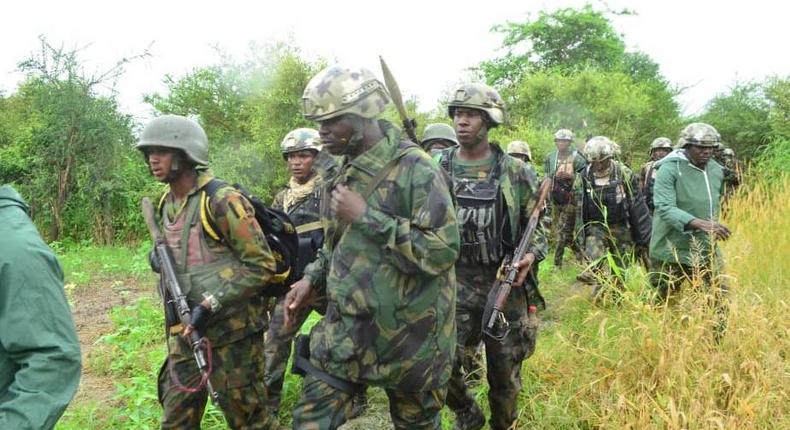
<point>386,267</point>
<point>494,195</point>
<point>223,276</point>
<point>615,219</point>
<point>562,166</point>
<point>659,148</point>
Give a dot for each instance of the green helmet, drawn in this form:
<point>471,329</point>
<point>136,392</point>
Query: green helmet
<point>439,131</point>
<point>699,134</point>
<point>661,143</point>
<point>599,148</point>
<point>564,134</point>
<point>339,90</point>
<point>300,139</point>
<point>519,147</point>
<point>481,97</point>
<point>178,132</point>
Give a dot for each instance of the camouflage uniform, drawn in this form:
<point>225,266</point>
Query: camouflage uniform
<point>562,203</point>
<point>231,275</point>
<point>303,211</point>
<point>733,172</point>
<point>609,205</point>
<point>647,174</point>
<point>388,275</point>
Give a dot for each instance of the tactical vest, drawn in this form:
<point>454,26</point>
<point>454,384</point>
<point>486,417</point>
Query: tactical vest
<point>650,181</point>
<point>200,264</point>
<point>306,216</point>
<point>606,203</point>
<point>481,214</point>
<point>562,189</point>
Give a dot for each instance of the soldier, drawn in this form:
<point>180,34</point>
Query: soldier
<point>562,166</point>
<point>495,196</point>
<point>386,266</point>
<point>613,212</point>
<point>520,150</point>
<point>39,348</point>
<point>659,149</point>
<point>686,225</point>
<point>438,136</point>
<point>733,172</point>
<point>222,277</point>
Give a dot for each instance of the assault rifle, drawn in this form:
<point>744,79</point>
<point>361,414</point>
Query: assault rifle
<point>497,326</point>
<point>174,298</point>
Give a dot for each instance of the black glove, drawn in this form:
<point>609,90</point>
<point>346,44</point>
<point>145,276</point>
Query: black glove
<point>153,260</point>
<point>200,316</point>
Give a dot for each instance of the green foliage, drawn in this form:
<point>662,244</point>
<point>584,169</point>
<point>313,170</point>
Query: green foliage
<point>246,109</point>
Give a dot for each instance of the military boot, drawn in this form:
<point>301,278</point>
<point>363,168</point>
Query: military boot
<point>359,403</point>
<point>470,419</point>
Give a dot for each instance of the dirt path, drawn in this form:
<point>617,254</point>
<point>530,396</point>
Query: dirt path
<point>92,305</point>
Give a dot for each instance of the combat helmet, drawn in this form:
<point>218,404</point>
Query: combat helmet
<point>177,132</point>
<point>661,143</point>
<point>564,134</point>
<point>519,147</point>
<point>339,90</point>
<point>439,131</point>
<point>728,152</point>
<point>481,97</point>
<point>299,140</point>
<point>699,134</point>
<point>599,148</point>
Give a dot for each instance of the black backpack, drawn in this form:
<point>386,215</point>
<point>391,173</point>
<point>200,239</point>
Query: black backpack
<point>280,235</point>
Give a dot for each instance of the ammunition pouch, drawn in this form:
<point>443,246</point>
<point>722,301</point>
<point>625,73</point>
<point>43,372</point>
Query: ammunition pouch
<point>562,191</point>
<point>302,367</point>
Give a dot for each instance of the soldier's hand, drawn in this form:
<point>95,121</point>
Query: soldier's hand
<point>719,231</point>
<point>523,267</point>
<point>346,204</point>
<point>300,295</point>
<point>199,319</point>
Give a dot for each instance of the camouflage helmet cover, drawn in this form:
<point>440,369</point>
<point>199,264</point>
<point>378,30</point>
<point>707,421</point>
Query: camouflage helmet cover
<point>599,148</point>
<point>728,152</point>
<point>300,139</point>
<point>481,97</point>
<point>519,147</point>
<point>339,90</point>
<point>439,131</point>
<point>699,134</point>
<point>564,134</point>
<point>661,143</point>
<point>177,132</point>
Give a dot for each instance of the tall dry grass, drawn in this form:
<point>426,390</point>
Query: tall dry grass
<point>635,365</point>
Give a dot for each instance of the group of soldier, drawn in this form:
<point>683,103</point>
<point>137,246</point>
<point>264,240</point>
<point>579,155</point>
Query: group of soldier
<point>403,244</point>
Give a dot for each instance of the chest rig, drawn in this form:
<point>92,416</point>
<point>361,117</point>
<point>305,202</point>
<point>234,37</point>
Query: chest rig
<point>306,216</point>
<point>606,203</point>
<point>481,214</point>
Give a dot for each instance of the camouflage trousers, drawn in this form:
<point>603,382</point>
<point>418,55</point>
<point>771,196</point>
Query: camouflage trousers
<point>600,243</point>
<point>322,407</point>
<point>503,360</point>
<point>277,350</point>
<point>237,376</point>
<point>563,223</point>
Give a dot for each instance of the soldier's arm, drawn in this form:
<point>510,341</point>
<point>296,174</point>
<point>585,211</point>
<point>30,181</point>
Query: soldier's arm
<point>425,240</point>
<point>235,218</point>
<point>665,201</point>
<point>279,198</point>
<point>316,271</point>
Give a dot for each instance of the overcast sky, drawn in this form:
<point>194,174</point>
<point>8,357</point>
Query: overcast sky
<point>705,46</point>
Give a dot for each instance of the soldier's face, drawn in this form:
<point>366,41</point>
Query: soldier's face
<point>699,155</point>
<point>160,161</point>
<point>601,166</point>
<point>470,126</point>
<point>438,145</point>
<point>658,154</point>
<point>336,133</point>
<point>562,144</point>
<point>300,165</point>
<point>521,157</point>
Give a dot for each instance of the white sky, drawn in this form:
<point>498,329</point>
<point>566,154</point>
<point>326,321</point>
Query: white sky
<point>703,45</point>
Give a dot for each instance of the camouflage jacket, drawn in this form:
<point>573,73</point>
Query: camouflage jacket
<point>231,273</point>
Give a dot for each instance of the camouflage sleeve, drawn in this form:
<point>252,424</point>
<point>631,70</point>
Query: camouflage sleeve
<point>316,271</point>
<point>426,239</point>
<point>277,203</point>
<point>235,218</point>
<point>529,198</point>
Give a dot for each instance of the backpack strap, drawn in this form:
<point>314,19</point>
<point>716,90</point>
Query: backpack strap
<point>206,216</point>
